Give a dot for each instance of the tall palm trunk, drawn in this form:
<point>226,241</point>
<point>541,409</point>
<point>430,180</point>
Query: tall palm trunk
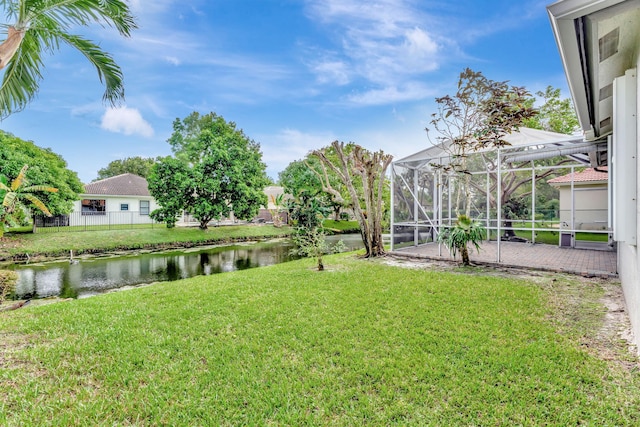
<point>10,46</point>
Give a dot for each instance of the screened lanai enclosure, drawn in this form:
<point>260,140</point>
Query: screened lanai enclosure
<point>540,188</point>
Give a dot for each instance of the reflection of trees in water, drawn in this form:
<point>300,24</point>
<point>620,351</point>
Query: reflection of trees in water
<point>173,270</point>
<point>98,275</point>
<point>69,277</point>
<point>242,263</point>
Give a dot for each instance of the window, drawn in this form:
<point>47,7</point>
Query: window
<point>124,206</point>
<point>94,207</point>
<point>144,207</point>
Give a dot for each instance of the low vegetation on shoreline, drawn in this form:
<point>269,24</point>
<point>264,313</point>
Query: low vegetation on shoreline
<point>51,245</point>
<point>16,247</point>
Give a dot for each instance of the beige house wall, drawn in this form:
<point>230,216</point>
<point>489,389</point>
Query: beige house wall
<point>590,206</point>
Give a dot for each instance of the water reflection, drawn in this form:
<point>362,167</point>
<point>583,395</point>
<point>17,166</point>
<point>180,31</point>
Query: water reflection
<point>89,277</point>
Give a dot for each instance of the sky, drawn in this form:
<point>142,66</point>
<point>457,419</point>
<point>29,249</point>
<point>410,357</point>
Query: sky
<point>294,75</point>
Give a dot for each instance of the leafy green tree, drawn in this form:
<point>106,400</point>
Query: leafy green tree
<point>555,114</point>
<point>298,177</point>
<point>45,168</point>
<point>42,26</point>
<point>224,169</point>
<point>18,195</point>
<point>308,212</point>
<point>170,182</point>
<point>137,165</point>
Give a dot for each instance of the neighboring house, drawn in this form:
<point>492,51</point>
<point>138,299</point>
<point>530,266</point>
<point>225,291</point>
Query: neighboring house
<point>599,43</point>
<point>583,199</point>
<point>265,213</point>
<point>121,199</point>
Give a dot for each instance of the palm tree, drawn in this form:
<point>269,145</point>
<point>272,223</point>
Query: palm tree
<point>17,193</point>
<point>41,26</point>
<point>463,232</point>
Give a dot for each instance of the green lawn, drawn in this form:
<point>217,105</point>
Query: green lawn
<point>360,344</point>
<point>553,238</point>
<point>341,226</point>
<point>52,244</point>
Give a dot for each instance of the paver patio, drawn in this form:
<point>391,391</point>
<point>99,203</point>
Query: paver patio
<point>586,262</point>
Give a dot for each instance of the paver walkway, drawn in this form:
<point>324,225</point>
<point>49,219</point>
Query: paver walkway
<point>526,255</point>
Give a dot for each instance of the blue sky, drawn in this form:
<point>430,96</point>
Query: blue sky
<point>293,74</point>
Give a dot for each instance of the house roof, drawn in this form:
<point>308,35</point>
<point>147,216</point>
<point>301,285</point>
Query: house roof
<point>126,184</point>
<point>587,175</point>
<point>597,40</point>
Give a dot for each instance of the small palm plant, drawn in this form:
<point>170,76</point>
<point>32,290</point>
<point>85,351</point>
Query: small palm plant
<point>457,237</point>
<point>17,195</point>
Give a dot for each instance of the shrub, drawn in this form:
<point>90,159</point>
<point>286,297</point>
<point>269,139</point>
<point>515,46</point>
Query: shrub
<point>8,281</point>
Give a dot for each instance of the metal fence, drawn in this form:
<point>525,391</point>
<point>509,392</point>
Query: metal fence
<point>82,221</point>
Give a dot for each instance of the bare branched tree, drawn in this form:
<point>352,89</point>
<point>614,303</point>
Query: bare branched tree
<point>478,116</point>
<point>370,168</point>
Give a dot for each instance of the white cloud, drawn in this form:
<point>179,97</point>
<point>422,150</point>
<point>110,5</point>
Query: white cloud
<point>392,94</point>
<point>383,41</point>
<point>332,71</point>
<point>92,108</point>
<point>126,120</point>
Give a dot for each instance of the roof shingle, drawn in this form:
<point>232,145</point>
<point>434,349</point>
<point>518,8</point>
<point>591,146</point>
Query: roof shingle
<point>586,175</point>
<point>126,184</point>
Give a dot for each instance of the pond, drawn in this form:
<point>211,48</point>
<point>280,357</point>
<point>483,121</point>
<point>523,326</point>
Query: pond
<point>92,276</point>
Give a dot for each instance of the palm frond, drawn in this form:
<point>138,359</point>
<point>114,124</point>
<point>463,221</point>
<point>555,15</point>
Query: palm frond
<point>19,180</point>
<point>34,188</point>
<point>21,77</point>
<point>46,23</point>
<point>9,199</point>
<point>69,13</point>
<point>37,203</point>
<point>108,71</point>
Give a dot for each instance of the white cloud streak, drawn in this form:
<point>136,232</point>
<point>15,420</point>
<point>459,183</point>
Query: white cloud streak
<point>126,120</point>
<point>384,42</point>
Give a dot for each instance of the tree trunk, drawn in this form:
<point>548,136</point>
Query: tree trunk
<point>508,229</point>
<point>464,253</point>
<point>10,46</point>
<point>371,168</point>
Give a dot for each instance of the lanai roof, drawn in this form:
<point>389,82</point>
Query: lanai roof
<point>540,144</point>
<point>126,184</point>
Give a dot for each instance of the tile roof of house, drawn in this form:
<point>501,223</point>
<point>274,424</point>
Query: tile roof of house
<point>586,175</point>
<point>126,184</point>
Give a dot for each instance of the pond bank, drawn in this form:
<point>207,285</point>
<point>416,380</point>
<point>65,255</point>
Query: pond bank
<point>51,246</point>
<point>88,275</point>
<point>56,246</point>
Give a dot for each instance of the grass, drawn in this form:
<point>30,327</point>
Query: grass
<point>56,244</point>
<point>360,344</point>
<point>341,227</point>
<point>553,237</point>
